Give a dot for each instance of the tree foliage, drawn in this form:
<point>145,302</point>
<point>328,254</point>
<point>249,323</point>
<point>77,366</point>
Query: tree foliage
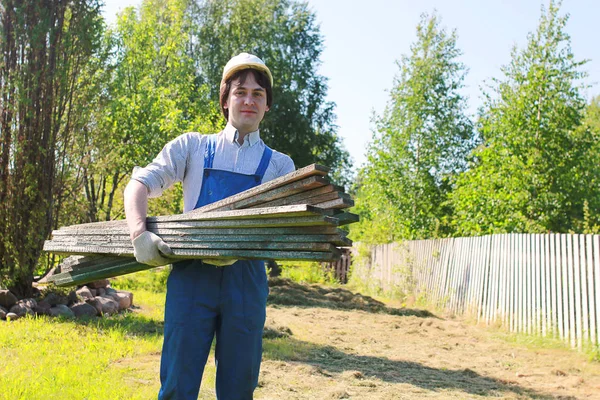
<point>421,142</point>
<point>44,46</point>
<point>532,174</point>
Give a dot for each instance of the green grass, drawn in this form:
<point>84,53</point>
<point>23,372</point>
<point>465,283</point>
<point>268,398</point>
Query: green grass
<point>306,272</point>
<point>91,359</point>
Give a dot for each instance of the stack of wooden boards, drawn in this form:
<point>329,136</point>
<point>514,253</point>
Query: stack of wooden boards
<point>295,217</point>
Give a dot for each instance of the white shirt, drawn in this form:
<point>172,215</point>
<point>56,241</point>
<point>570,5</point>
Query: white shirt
<point>182,160</point>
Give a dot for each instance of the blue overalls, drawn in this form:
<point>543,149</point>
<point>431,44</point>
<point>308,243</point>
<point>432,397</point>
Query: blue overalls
<point>204,300</point>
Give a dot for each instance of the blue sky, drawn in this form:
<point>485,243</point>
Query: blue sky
<point>364,40</point>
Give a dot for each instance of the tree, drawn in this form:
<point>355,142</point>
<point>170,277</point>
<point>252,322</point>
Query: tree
<point>421,142</point>
<point>528,176</point>
<point>150,97</point>
<point>285,35</point>
<point>44,45</point>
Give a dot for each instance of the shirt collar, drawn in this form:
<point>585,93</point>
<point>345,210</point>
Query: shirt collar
<point>231,134</point>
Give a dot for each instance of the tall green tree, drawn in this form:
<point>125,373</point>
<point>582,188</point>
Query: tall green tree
<point>284,33</point>
<point>530,173</point>
<point>44,45</point>
<point>421,142</point>
<point>151,95</point>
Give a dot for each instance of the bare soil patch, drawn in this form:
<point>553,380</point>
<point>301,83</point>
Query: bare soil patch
<point>323,343</point>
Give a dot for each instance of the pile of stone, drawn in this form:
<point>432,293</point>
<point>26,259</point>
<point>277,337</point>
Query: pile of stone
<point>94,299</point>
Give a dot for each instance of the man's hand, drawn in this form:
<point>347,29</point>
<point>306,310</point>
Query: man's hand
<point>150,249</point>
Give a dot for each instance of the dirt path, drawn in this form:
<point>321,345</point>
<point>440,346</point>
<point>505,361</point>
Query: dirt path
<point>333,344</point>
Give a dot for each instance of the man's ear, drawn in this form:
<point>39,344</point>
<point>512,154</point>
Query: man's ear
<point>225,106</point>
<point>267,108</point>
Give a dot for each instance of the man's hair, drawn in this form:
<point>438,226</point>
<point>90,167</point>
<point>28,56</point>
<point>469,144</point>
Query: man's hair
<point>260,77</point>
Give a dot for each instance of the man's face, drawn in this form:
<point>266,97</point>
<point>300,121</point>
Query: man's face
<point>247,104</point>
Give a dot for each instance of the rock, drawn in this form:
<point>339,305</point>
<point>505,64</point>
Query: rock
<point>100,292</point>
<point>110,290</point>
<point>42,308</point>
<point>93,291</point>
<point>109,305</point>
<point>84,309</point>
<point>23,308</point>
<point>72,298</point>
<point>122,299</point>
<point>61,310</point>
<point>3,312</point>
<point>55,299</point>
<point>129,294</point>
<point>30,303</point>
<point>94,302</point>
<point>98,284</point>
<point>85,293</point>
<point>11,316</point>
<point>7,299</point>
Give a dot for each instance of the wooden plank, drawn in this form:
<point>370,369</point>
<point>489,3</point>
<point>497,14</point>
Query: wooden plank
<point>580,290</point>
<point>336,204</point>
<point>564,292</point>
<point>529,285</point>
<point>596,245</point>
<point>266,245</point>
<point>249,223</point>
<point>319,194</point>
<point>484,278</point>
<point>107,239</point>
<point>260,195</point>
<point>589,247</point>
<point>545,283</point>
<point>502,293</point>
<point>571,291</point>
<point>555,287</point>
<point>522,285</point>
<point>180,254</point>
<point>346,218</point>
<point>511,283</point>
<point>537,304</point>
<point>81,277</point>
<point>298,230</point>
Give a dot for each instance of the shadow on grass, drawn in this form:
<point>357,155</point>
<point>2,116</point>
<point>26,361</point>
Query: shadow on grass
<point>129,323</point>
<point>328,360</point>
<point>285,292</point>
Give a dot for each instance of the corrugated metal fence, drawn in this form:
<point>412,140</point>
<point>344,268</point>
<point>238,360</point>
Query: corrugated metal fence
<point>539,284</point>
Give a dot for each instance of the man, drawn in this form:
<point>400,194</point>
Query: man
<point>205,300</point>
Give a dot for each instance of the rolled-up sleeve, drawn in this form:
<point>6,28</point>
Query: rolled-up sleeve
<point>167,168</point>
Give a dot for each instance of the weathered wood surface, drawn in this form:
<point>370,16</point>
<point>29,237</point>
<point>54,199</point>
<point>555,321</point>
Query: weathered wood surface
<point>182,237</point>
<point>125,248</point>
<point>263,193</point>
<point>292,230</point>
<point>302,197</point>
<point>94,273</point>
<point>337,203</point>
<point>182,254</point>
<point>125,266</point>
<point>289,211</point>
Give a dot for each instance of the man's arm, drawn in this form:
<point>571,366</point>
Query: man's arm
<point>148,248</point>
<point>136,207</point>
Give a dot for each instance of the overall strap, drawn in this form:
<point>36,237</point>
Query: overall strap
<point>209,152</point>
<point>264,162</point>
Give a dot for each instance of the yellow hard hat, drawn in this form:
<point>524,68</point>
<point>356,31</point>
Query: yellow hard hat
<point>244,61</point>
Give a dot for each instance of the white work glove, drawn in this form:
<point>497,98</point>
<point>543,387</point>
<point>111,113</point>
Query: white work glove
<point>217,262</point>
<point>150,249</point>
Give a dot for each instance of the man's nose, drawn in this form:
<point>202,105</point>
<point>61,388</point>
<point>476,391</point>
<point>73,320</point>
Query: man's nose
<point>248,99</point>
